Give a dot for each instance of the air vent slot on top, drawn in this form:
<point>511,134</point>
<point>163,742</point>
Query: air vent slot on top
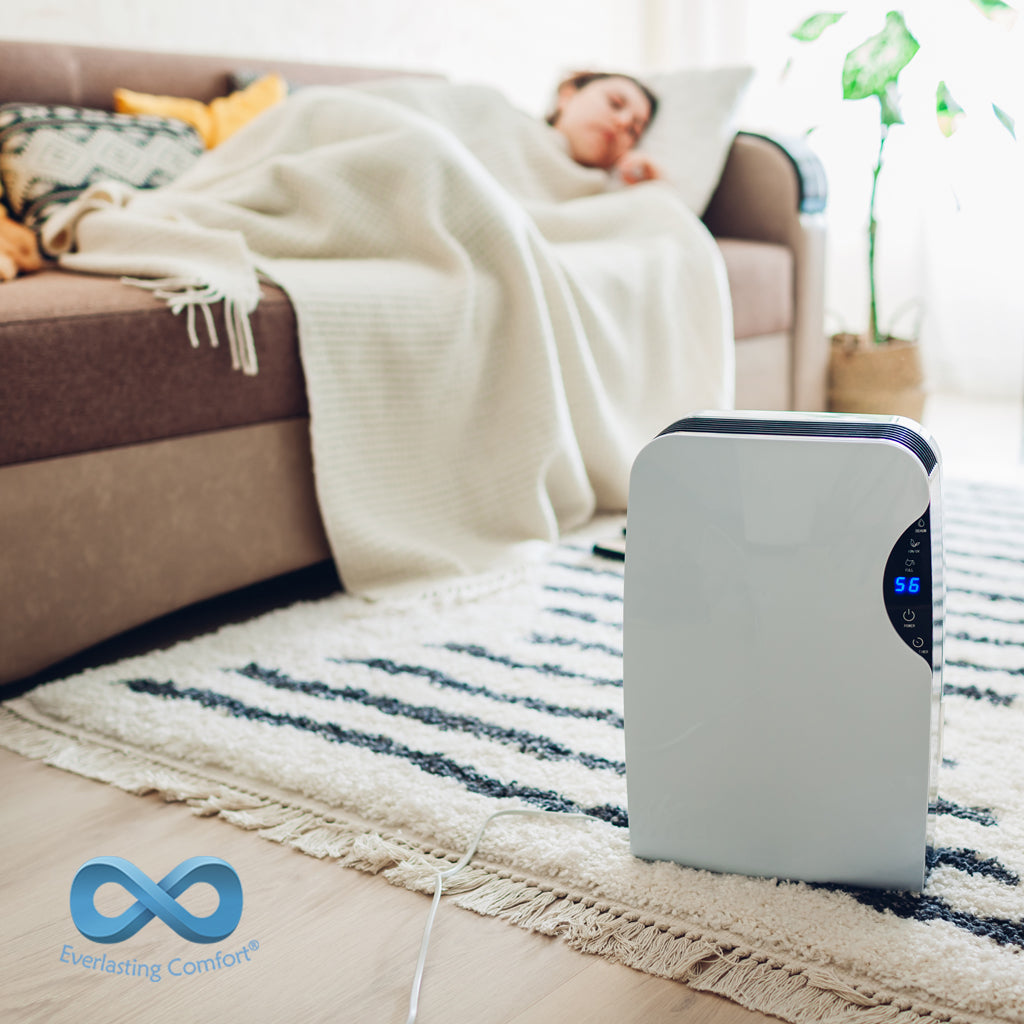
<point>840,427</point>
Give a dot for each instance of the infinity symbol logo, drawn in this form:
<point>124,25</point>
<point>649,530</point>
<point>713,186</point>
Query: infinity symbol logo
<point>156,899</point>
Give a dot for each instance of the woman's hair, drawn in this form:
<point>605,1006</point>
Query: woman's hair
<point>584,78</point>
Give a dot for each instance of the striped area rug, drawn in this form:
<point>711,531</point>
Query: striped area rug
<point>383,734</point>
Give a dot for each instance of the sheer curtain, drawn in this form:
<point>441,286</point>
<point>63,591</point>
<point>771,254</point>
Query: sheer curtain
<point>950,211</point>
<point>688,33</point>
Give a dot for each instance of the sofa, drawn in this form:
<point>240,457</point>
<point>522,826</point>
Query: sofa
<point>138,479</point>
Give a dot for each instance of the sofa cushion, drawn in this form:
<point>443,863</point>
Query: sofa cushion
<point>761,274</point>
<point>88,362</point>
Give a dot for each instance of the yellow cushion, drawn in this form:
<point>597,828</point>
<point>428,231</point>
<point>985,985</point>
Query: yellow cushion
<point>214,121</point>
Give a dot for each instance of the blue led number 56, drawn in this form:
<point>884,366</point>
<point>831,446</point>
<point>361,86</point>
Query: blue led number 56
<point>907,585</point>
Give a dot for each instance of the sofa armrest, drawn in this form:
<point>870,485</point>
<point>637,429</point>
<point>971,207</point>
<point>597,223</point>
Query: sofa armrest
<point>775,190</point>
<point>767,185</point>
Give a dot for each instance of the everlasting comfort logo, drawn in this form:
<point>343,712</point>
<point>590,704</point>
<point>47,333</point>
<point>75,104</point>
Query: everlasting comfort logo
<point>156,899</point>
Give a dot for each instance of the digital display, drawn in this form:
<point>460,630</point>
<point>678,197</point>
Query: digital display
<point>907,585</point>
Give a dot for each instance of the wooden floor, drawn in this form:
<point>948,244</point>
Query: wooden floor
<point>324,943</point>
<point>327,943</point>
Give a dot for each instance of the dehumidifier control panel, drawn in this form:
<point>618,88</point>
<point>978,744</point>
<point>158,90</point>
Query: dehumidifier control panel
<point>907,587</point>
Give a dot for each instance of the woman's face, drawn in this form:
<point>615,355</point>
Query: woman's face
<point>603,120</point>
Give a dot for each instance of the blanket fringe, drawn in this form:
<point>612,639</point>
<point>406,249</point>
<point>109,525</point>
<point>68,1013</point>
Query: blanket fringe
<point>758,982</point>
<point>181,293</point>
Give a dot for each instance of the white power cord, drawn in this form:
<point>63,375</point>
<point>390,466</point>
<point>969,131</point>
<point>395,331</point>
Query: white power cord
<point>442,876</point>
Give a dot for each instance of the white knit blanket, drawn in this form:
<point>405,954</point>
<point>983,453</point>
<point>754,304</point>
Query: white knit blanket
<point>489,333</point>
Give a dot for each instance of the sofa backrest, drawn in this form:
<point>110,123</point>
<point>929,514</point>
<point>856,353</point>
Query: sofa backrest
<point>86,76</point>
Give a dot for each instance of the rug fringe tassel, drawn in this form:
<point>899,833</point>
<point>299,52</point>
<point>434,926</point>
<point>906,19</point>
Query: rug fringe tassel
<point>752,980</point>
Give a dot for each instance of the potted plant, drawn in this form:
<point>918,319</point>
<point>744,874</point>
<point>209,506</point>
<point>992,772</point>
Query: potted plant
<point>876,372</point>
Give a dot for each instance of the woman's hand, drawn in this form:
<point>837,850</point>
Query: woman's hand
<point>635,167</point>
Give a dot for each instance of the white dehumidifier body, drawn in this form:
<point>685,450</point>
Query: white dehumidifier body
<point>782,644</point>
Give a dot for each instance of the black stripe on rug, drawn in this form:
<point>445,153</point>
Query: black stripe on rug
<point>591,570</point>
<point>542,747</point>
<point>975,693</point>
<point>439,678</point>
<point>987,574</point>
<point>983,641</point>
<point>982,556</point>
<point>576,642</point>
<point>979,815</point>
<point>600,595</point>
<point>973,667</point>
<point>985,616</point>
<point>988,595</point>
<point>919,907</point>
<point>432,763</point>
<point>588,617</point>
<point>546,669</point>
<point>967,861</point>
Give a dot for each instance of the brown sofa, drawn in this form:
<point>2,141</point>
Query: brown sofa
<point>137,478</point>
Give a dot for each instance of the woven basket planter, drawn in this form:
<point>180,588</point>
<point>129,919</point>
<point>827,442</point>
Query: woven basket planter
<point>886,379</point>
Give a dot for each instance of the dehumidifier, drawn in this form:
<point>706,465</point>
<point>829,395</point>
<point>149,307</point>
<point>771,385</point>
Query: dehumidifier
<point>782,644</point>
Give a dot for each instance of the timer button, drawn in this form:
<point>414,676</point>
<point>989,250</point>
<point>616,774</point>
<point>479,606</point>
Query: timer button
<point>917,642</point>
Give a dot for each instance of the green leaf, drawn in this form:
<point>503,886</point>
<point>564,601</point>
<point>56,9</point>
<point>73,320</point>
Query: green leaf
<point>948,112</point>
<point>810,29</point>
<point>1005,120</point>
<point>995,10</point>
<point>873,68</point>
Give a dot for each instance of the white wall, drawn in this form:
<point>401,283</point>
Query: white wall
<point>523,47</point>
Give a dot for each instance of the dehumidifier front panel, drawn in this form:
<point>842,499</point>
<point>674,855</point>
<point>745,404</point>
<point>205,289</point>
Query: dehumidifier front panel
<point>777,723</point>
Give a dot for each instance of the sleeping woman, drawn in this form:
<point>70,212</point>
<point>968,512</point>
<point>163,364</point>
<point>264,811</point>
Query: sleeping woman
<point>602,116</point>
<point>435,239</point>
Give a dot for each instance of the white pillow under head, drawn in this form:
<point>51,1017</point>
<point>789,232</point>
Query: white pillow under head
<point>694,128</point>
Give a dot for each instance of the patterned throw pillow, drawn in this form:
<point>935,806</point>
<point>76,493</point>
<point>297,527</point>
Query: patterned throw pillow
<point>50,154</point>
